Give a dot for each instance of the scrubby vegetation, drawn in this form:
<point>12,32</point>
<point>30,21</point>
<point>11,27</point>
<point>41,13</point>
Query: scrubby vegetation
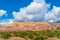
<point>33,35</point>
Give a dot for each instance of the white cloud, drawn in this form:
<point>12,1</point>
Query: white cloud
<point>38,11</point>
<point>8,21</point>
<point>2,12</point>
<point>39,1</point>
<point>54,14</point>
<point>34,12</point>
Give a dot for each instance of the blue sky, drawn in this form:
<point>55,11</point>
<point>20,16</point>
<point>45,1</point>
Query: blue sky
<point>14,5</point>
<point>53,3</point>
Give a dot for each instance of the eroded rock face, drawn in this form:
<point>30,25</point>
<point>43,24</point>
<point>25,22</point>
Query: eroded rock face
<point>16,38</point>
<point>53,38</point>
<point>24,26</point>
<point>19,38</point>
<point>13,38</point>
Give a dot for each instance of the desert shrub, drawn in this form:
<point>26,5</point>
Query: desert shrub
<point>5,35</point>
<point>41,38</point>
<point>34,35</point>
<point>57,33</point>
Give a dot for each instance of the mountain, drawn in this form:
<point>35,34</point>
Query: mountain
<point>24,26</point>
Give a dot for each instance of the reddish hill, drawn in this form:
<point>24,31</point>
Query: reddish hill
<point>23,26</point>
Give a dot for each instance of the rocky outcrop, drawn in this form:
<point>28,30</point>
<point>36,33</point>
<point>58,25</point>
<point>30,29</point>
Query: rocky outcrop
<point>23,26</point>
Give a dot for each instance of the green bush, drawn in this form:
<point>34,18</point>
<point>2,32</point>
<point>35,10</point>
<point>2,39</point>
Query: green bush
<point>5,35</point>
<point>34,35</point>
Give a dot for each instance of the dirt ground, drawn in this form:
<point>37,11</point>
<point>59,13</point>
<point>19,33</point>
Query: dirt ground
<point>15,38</point>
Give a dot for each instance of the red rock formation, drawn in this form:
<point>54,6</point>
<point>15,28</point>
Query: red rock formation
<point>23,26</point>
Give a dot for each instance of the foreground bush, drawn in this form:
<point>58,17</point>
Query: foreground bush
<point>34,35</point>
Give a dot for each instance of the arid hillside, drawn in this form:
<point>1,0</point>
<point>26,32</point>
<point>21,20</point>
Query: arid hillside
<point>23,26</point>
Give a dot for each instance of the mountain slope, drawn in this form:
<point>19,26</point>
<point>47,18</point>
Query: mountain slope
<point>24,26</point>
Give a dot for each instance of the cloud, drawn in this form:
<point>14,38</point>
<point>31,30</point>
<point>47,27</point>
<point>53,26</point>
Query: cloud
<point>2,12</point>
<point>39,1</point>
<point>7,21</point>
<point>53,15</point>
<point>34,12</point>
<point>38,10</point>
